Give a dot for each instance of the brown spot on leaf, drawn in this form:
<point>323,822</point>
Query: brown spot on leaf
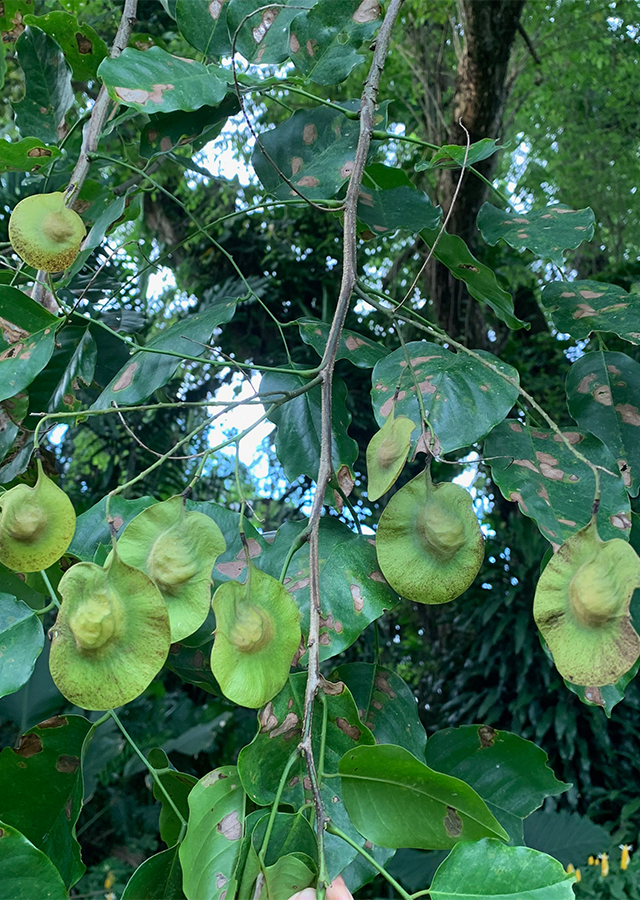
<point>368,11</point>
<point>308,181</point>
<point>358,599</point>
<point>332,688</point>
<point>311,47</point>
<point>296,165</point>
<point>290,726</point>
<point>126,378</point>
<point>544,494</point>
<point>594,695</point>
<point>487,736</point>
<point>426,387</point>
<point>68,764</point>
<point>84,45</point>
<point>306,783</point>
<point>568,522</point>
<point>215,8</point>
<point>468,267</point>
<point>623,465</point>
<point>602,395</point>
<point>452,822</point>
<point>584,311</point>
<point>309,133</point>
<point>583,386</point>
<point>347,169</point>
<point>268,18</point>
<point>591,295</point>
<point>30,745</point>
<point>351,731</point>
<point>166,144</point>
<point>294,43</point>
<point>621,520</point>
<point>229,826</point>
<point>386,407</point>
<point>54,722</point>
<point>376,704</point>
<point>525,464</point>
<point>67,808</point>
<point>12,333</point>
<point>345,480</point>
<point>516,426</point>
<point>378,576</point>
<point>37,152</point>
<point>324,639</point>
<point>574,437</point>
<point>628,413</point>
<point>221,880</point>
<point>294,781</point>
<point>267,718</point>
<point>383,685</point>
<point>517,497</point>
<point>353,343</point>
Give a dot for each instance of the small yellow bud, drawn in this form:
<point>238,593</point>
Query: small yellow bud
<point>570,870</point>
<point>624,859</point>
<point>593,861</point>
<point>578,875</point>
<point>605,865</point>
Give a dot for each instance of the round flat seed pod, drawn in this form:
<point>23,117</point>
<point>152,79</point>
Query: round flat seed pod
<point>111,637</point>
<point>387,453</point>
<point>177,550</point>
<point>581,607</point>
<point>44,233</point>
<point>257,636</point>
<point>429,544</point>
<point>36,525</point>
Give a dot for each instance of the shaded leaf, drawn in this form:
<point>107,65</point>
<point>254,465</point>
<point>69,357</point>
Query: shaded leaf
<point>606,696</point>
<point>193,665</point>
<point>27,155</point>
<point>21,643</point>
<point>26,871</point>
<point>401,208</point>
<point>204,25</point>
<point>178,785</point>
<point>262,30</point>
<point>230,565</point>
<point>358,349</point>
<point>72,364</point>
<point>534,468</point>
<point>566,836</point>
<point>452,156</point>
<point>580,307</point>
<point>28,340</point>
<point>12,15</point>
<point>291,833</point>
<point>546,232</point>
<point>48,93</point>
<point>165,132</point>
<point>158,876</point>
<point>83,47</point>
<point>92,527</point>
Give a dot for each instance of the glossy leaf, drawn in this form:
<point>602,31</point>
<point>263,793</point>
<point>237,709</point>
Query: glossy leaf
<point>164,132</point>
<point>510,774</point>
<point>580,307</point>
<point>481,281</point>
<point>452,156</point>
<point>395,800</point>
<point>325,41</point>
<point>298,420</point>
<point>48,93</point>
<point>28,340</point>
<point>41,790</point>
<point>204,25</point>
<point>463,399</point>
<point>534,468</point>
<point>21,643</point>
<point>148,371</point>
<point>83,47</point>
<point>27,155</point>
<point>154,81</point>
<point>26,871</point>
<point>487,869</point>
<point>603,394</point>
<point>262,30</point>
<point>397,209</point>
<point>546,232</point>
<point>178,785</point>
<point>158,876</point>
<point>210,849</point>
<point>385,704</point>
<point>358,349</point>
<point>92,527</point>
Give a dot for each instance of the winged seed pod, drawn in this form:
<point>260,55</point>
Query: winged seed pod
<point>387,453</point>
<point>581,607</point>
<point>45,233</point>
<point>429,544</point>
<point>177,550</point>
<point>257,636</point>
<point>36,525</point>
<point>111,637</point>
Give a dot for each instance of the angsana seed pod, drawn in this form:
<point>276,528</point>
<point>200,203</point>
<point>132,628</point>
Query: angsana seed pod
<point>387,453</point>
<point>45,233</point>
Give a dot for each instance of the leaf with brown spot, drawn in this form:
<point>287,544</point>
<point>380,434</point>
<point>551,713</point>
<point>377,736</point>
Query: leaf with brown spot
<point>549,231</point>
<point>362,351</point>
<point>610,309</point>
<point>83,48</point>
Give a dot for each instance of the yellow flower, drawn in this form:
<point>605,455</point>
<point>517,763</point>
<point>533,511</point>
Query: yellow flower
<point>570,869</point>
<point>110,880</point>
<point>578,875</point>
<point>605,864</point>
<point>624,859</point>
<point>593,861</point>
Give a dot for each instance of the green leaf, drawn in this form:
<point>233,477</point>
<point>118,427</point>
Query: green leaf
<point>83,48</point>
<point>21,643</point>
<point>299,419</point>
<point>291,833</point>
<point>481,281</point>
<point>148,371</point>
<point>12,412</point>
<point>27,155</point>
<point>26,871</point>
<point>154,81</point>
<point>178,785</point>
<point>510,774</point>
<point>463,399</point>
<point>158,876</point>
<point>452,156</point>
<point>192,664</point>
<point>209,852</point>
<point>92,527</point>
<point>395,800</point>
<point>606,696</point>
<point>164,132</point>
<point>231,565</point>
<point>603,394</point>
<point>534,468</point>
<point>581,307</point>
<point>204,25</point>
<point>358,349</point>
<point>546,232</point>
<point>568,837</point>
<point>288,875</point>
<point>487,870</point>
<point>385,704</point>
<point>263,31</point>
<point>48,93</point>
<point>325,41</point>
<point>28,333</point>
<point>41,790</point>
<point>71,365</point>
<point>402,208</point>
<point>12,15</point>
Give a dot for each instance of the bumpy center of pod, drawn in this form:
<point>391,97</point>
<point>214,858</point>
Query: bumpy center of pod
<point>441,530</point>
<point>24,519</point>
<point>592,593</point>
<point>95,620</point>
<point>252,629</point>
<point>57,228</point>
<point>388,451</point>
<point>171,562</point>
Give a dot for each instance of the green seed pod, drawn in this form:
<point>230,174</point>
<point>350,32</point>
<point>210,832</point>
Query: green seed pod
<point>177,550</point>
<point>581,607</point>
<point>45,233</point>
<point>111,637</point>
<point>36,525</point>
<point>387,453</point>
<point>257,636</point>
<point>429,544</point>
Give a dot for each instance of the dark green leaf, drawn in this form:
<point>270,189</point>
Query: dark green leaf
<point>288,875</point>
<point>158,876</point>
<point>41,790</point>
<point>12,412</point>
<point>48,93</point>
<point>204,24</point>
<point>148,371</point>
<point>92,527</point>
<point>463,399</point>
<point>401,208</point>
<point>358,349</point>
<point>10,583</point>
<point>72,363</point>
<point>534,468</point>
<point>83,48</point>
<point>193,665</point>
<point>487,869</point>
<point>26,872</point>
<point>263,31</point>
<point>481,281</point>
<point>291,833</point>
<point>385,704</point>
<point>607,696</point>
<point>27,155</point>
<point>325,41</point>
<point>164,133</point>
<point>580,307</point>
<point>546,232</point>
<point>12,15</point>
<point>395,800</point>
<point>452,156</point>
<point>178,785</point>
<point>28,332</point>
<point>154,81</point>
<point>568,837</point>
<point>21,643</point>
<point>603,394</point>
<point>230,565</point>
<point>510,774</point>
